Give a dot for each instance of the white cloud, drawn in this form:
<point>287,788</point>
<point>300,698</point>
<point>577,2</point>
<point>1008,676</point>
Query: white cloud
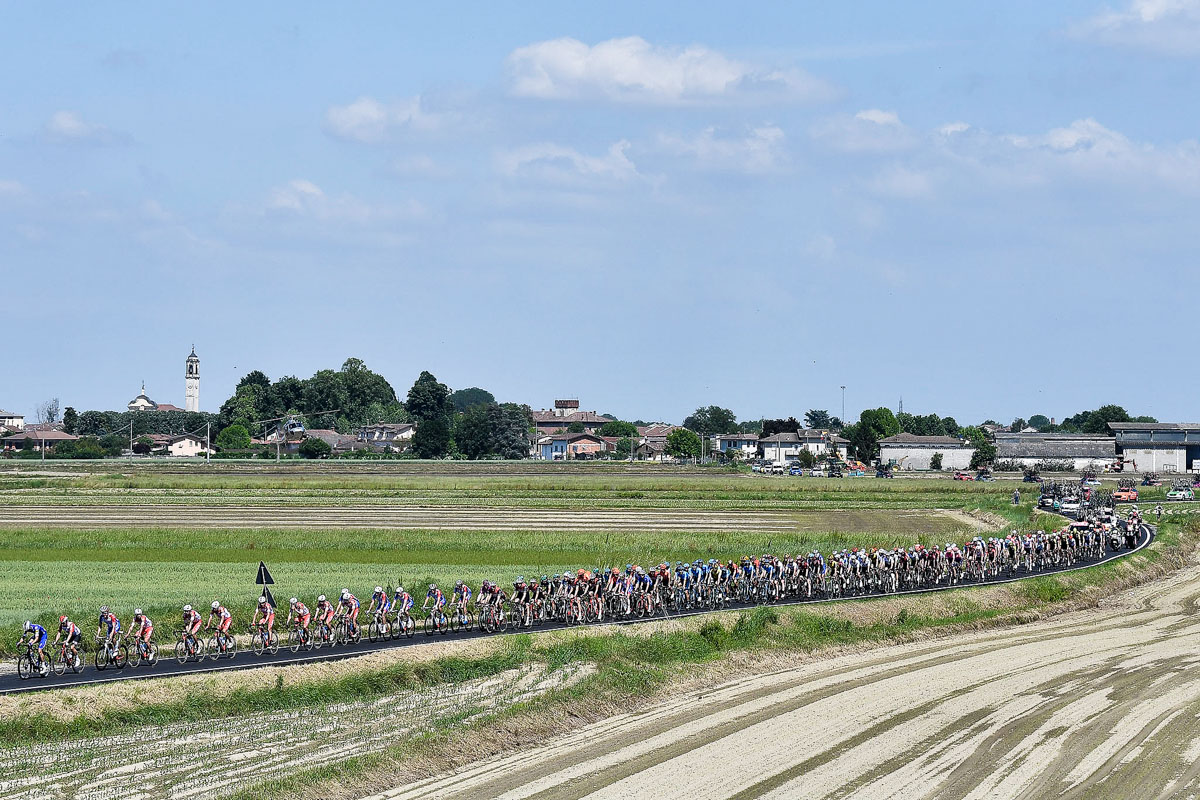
<point>952,128</point>
<point>303,198</point>
<point>632,70</point>
<point>67,127</point>
<point>759,150</point>
<point>370,121</point>
<point>869,131</point>
<point>11,188</point>
<point>559,163</point>
<point>1168,27</point>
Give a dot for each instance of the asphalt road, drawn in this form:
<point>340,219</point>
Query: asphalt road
<point>167,666</point>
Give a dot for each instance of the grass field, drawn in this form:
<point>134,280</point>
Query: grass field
<point>49,571</point>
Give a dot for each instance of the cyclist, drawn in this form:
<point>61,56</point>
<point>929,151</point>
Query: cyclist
<point>69,632</point>
<point>191,622</point>
<point>325,611</point>
<point>520,596</point>
<point>438,599</point>
<point>301,613</point>
<point>140,628</point>
<point>223,617</point>
<point>110,624</point>
<point>350,606</point>
<point>462,598</point>
<point>268,615</point>
<point>402,602</point>
<point>37,637</point>
<point>380,602</point>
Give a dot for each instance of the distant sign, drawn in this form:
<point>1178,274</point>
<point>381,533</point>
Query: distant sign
<point>264,575</point>
<point>270,598</point>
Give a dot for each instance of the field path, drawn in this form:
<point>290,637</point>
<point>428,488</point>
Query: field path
<point>1100,704</point>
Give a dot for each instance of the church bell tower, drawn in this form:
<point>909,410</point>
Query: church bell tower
<point>192,394</point>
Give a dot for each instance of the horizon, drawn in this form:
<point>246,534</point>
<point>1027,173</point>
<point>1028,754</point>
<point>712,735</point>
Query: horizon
<point>648,210</point>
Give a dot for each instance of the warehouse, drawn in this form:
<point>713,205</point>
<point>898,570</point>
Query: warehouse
<point>1158,446</point>
<point>1070,452</point>
<point>909,451</point>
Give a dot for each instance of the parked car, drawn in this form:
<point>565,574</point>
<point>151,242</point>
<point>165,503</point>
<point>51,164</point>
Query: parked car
<point>796,470</point>
<point>1091,482</point>
<point>1181,494</point>
<point>963,476</point>
<point>835,472</point>
<point>1032,477</point>
<point>1126,495</point>
<point>984,476</point>
<point>883,472</point>
<point>817,472</point>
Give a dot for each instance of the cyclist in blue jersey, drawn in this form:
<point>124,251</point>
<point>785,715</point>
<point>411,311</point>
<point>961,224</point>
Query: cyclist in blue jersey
<point>37,637</point>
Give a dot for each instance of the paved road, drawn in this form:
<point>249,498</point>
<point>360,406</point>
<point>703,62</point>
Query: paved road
<point>10,683</point>
<point>1097,705</point>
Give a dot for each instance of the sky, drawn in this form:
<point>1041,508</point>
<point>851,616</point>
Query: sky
<point>989,210</point>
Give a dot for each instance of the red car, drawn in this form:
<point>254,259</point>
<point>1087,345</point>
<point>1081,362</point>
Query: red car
<point>963,476</point>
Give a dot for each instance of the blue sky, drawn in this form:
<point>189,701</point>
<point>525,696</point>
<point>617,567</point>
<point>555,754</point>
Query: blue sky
<point>988,210</point>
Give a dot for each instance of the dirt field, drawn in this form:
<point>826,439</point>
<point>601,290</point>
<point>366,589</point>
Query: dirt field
<point>1098,704</point>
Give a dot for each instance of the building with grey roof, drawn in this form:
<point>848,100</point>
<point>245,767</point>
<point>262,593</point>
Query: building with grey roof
<point>1082,450</point>
<point>909,451</point>
<point>1158,446</point>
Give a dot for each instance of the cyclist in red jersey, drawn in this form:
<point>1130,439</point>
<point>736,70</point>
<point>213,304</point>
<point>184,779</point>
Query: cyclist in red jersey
<point>267,611</point>
<point>223,617</point>
<point>300,612</point>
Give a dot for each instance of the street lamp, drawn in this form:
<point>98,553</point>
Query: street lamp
<point>843,405</point>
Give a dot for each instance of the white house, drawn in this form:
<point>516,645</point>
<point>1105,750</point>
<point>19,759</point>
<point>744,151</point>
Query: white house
<point>387,434</point>
<point>744,443</point>
<point>909,451</point>
<point>12,421</point>
<point>787,446</point>
<point>185,445</point>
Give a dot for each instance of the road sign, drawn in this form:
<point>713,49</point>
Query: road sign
<point>264,575</point>
<point>270,598</point>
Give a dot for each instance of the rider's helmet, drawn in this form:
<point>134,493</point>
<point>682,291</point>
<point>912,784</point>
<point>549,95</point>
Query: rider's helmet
<point>345,591</point>
<point>216,604</point>
<point>103,609</point>
<point>579,573</point>
<point>378,589</point>
<point>321,598</point>
<point>137,612</point>
<point>28,626</point>
<point>345,595</point>
<point>400,590</point>
<point>433,587</point>
<point>62,621</point>
<point>262,598</point>
<point>187,608</point>
<point>293,601</point>
<point>546,579</point>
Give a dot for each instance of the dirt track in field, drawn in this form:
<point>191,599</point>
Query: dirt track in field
<point>1098,704</point>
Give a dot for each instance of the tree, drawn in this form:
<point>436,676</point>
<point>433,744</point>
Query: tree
<point>1039,421</point>
<point>1018,425</point>
<point>143,445</point>
<point>770,427</point>
<point>754,426</point>
<point>432,439</point>
<point>1097,421</point>
<point>473,433</point>
<point>255,378</point>
<point>113,444</point>
<point>70,420</point>
<point>463,399</point>
<point>683,443</point>
<point>47,411</point>
<point>576,427</point>
<point>234,437</point>
<point>985,450</point>
<point>807,458</point>
<point>1144,418</point>
<point>618,428</point>
<point>935,461</point>
<point>624,447</point>
<point>818,418</point>
<point>325,391</point>
<point>711,420</point>
<point>92,423</point>
<point>873,424</point>
<point>312,447</point>
<point>950,426</point>
<point>836,424</point>
<point>427,398</point>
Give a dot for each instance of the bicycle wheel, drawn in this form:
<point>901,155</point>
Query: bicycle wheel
<point>259,643</point>
<point>295,640</point>
<point>151,654</point>
<point>101,658</point>
<point>121,657</point>
<point>410,626</point>
<point>213,648</point>
<point>60,663</point>
<point>24,667</point>
<point>135,659</point>
<point>272,643</point>
<point>373,632</point>
<point>181,652</point>
<point>429,626</point>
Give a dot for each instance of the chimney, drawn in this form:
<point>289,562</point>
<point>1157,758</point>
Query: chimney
<point>1052,420</point>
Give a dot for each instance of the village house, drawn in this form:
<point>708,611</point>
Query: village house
<point>1081,450</point>
<point>564,413</point>
<point>48,437</point>
<point>186,445</point>
<point>14,422</point>
<point>569,446</point>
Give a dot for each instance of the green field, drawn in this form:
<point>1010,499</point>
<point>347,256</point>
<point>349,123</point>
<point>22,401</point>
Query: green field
<point>75,570</point>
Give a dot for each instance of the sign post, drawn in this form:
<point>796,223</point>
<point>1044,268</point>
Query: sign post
<point>264,580</point>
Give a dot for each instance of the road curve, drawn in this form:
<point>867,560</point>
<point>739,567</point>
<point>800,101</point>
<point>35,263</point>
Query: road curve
<point>167,666</point>
<point>1099,704</point>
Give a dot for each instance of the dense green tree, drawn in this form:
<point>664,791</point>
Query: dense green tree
<point>1097,421</point>
<point>70,420</point>
<point>985,450</point>
<point>950,426</point>
<point>710,421</point>
<point>235,437</point>
<point>619,428</point>
<point>873,424</point>
<point>113,444</point>
<point>427,399</point>
<point>510,423</point>
<point>807,458</point>
<point>432,439</point>
<point>92,423</point>
<point>463,399</point>
<point>143,445</point>
<point>576,427</point>
<point>254,378</point>
<point>935,461</point>
<point>312,447</point>
<point>1143,418</point>
<point>473,433</point>
<point>1018,425</point>
<point>1039,421</point>
<point>624,447</point>
<point>770,427</point>
<point>754,426</point>
<point>818,418</point>
<point>683,443</point>
<point>324,391</point>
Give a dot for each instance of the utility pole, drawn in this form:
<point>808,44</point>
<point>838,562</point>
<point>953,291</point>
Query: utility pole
<point>207,442</point>
<point>843,405</point>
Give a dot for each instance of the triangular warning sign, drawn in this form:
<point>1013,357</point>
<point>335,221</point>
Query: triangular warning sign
<point>270,598</point>
<point>264,575</point>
